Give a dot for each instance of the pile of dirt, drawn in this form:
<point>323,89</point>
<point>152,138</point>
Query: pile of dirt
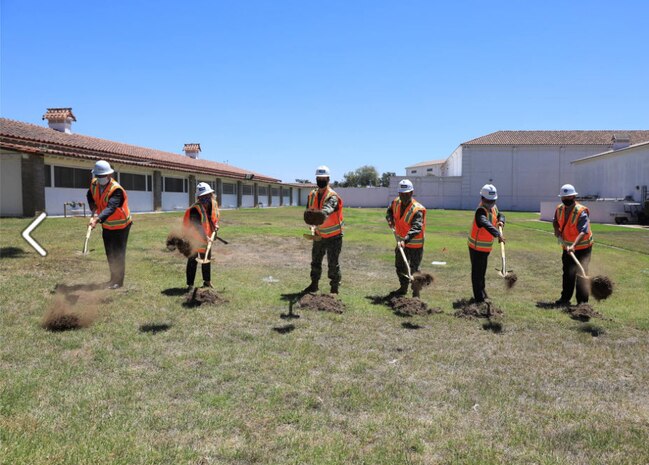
<point>582,312</point>
<point>321,302</point>
<point>406,306</point>
<point>176,241</point>
<point>314,217</point>
<point>420,281</point>
<point>478,310</point>
<point>203,295</point>
<point>510,280</point>
<point>67,312</point>
<point>601,287</point>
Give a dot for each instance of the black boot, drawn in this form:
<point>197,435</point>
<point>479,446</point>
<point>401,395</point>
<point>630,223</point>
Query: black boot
<point>403,290</point>
<point>313,287</point>
<point>334,289</point>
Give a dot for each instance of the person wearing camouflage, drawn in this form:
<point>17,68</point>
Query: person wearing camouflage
<point>328,235</point>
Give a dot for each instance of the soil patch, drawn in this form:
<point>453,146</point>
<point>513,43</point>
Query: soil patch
<point>582,312</point>
<point>601,287</point>
<point>321,302</point>
<point>479,310</point>
<point>420,281</point>
<point>62,315</point>
<point>203,295</point>
<point>510,280</point>
<point>405,306</point>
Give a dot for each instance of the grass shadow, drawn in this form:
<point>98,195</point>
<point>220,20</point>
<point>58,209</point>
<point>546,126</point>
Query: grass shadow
<point>11,252</point>
<point>380,299</point>
<point>284,329</point>
<point>65,289</point>
<point>549,305</point>
<point>154,328</point>
<point>493,326</point>
<point>461,303</point>
<point>174,291</point>
<point>591,329</point>
<point>409,325</point>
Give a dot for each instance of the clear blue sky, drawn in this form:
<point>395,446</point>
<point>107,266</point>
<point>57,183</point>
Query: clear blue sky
<point>280,87</point>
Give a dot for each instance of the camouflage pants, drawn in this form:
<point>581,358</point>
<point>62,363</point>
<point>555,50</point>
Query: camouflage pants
<point>331,247</point>
<point>413,256</point>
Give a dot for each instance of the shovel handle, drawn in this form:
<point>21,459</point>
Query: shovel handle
<point>210,240</point>
<point>403,254</point>
<point>581,268</point>
<point>503,272</point>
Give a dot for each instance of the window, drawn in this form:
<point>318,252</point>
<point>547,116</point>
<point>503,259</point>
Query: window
<point>247,189</point>
<point>229,188</point>
<point>149,183</point>
<point>429,169</point>
<point>74,178</point>
<point>274,191</point>
<point>48,176</point>
<point>413,171</point>
<point>262,191</point>
<point>133,182</point>
<point>175,185</point>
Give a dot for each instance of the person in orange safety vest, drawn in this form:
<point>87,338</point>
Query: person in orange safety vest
<point>325,199</point>
<point>572,228</point>
<point>407,218</point>
<point>109,203</point>
<point>486,221</point>
<point>200,221</point>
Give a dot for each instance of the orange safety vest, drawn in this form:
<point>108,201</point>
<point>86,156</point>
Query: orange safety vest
<point>333,224</point>
<point>121,218</point>
<point>208,222</point>
<point>403,221</point>
<point>480,239</point>
<point>568,226</point>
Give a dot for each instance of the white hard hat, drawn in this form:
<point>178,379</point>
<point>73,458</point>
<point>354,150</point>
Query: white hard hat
<point>203,188</point>
<point>102,168</point>
<point>567,190</point>
<point>405,186</point>
<point>489,192</point>
<point>322,171</point>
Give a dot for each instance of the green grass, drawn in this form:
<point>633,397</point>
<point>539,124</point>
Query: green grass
<point>236,384</point>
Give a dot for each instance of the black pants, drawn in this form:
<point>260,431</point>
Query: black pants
<point>570,270</point>
<point>478,270</point>
<point>413,256</point>
<point>331,247</point>
<point>115,244</point>
<point>192,265</point>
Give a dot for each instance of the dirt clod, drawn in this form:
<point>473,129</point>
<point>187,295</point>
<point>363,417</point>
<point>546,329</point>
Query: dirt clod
<point>321,302</point>
<point>314,218</point>
<point>409,307</point>
<point>176,241</point>
<point>421,280</point>
<point>582,312</point>
<point>510,280</point>
<point>204,295</point>
<point>601,287</point>
<point>479,310</point>
<point>64,315</point>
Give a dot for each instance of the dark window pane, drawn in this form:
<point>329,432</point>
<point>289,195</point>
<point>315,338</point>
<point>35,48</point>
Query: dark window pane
<point>174,185</point>
<point>247,189</point>
<point>262,191</point>
<point>229,188</point>
<point>274,192</point>
<point>63,177</point>
<point>82,178</point>
<point>149,183</point>
<point>133,182</point>
<point>48,176</point>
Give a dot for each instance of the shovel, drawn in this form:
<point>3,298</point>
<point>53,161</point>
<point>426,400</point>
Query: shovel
<point>504,271</point>
<point>403,256</point>
<point>313,236</point>
<point>85,243</point>
<point>207,251</point>
<point>581,268</point>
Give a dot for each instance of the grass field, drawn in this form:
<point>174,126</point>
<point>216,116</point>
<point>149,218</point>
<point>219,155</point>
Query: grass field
<point>154,382</point>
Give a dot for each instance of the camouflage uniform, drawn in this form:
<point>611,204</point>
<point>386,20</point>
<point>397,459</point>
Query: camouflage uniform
<point>329,246</point>
<point>414,256</point>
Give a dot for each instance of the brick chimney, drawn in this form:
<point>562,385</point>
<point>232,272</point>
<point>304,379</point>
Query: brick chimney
<point>60,119</point>
<point>620,141</point>
<point>192,150</point>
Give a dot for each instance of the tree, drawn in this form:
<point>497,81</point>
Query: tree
<point>385,178</point>
<point>303,181</point>
<point>362,177</point>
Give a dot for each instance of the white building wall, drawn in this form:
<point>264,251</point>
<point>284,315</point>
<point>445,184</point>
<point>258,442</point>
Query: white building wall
<point>55,197</point>
<point>11,187</point>
<point>275,199</point>
<point>172,201</point>
<point>600,211</point>
<point>140,201</point>
<point>433,169</point>
<point>304,196</point>
<point>365,197</point>
<point>614,175</point>
<point>229,201</point>
<point>433,191</point>
<point>247,201</point>
<point>453,164</point>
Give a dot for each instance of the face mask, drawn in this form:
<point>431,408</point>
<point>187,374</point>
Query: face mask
<point>405,198</point>
<point>322,183</point>
<point>103,181</point>
<point>489,203</point>
<point>568,202</point>
<point>205,199</point>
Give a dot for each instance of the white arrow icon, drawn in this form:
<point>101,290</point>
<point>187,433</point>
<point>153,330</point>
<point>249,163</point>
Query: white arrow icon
<point>30,240</point>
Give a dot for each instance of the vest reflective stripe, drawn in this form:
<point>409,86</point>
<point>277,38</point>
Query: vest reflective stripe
<point>333,224</point>
<point>207,223</point>
<point>480,239</point>
<point>121,217</point>
<point>568,227</point>
<point>403,222</point>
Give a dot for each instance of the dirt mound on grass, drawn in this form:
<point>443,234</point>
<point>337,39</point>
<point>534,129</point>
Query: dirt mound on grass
<point>321,302</point>
<point>582,312</point>
<point>409,307</point>
<point>421,280</point>
<point>601,287</point>
<point>203,295</point>
<point>510,280</point>
<point>65,314</point>
<point>478,310</point>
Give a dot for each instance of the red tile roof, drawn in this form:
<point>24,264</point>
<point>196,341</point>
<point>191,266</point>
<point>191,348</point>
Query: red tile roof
<point>192,148</point>
<point>557,137</point>
<point>59,114</point>
<point>20,136</point>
